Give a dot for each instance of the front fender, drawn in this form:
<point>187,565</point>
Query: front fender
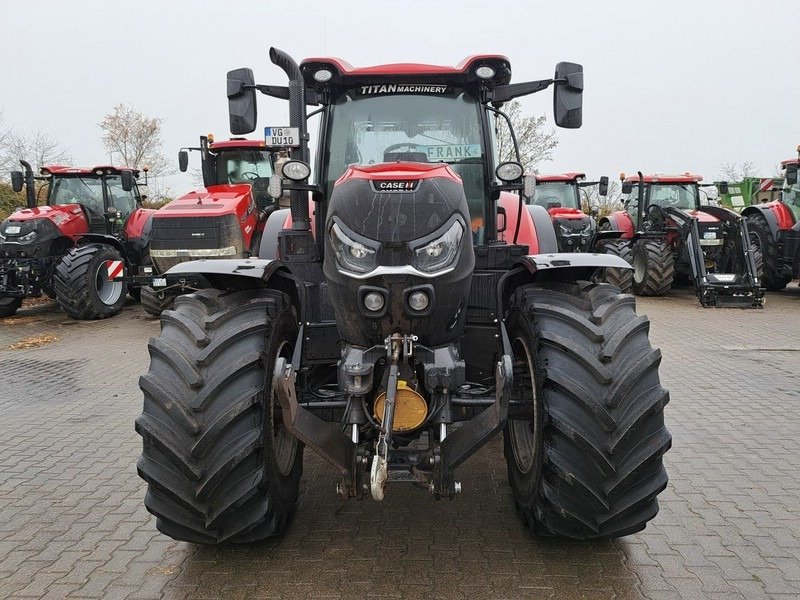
<point>572,262</point>
<point>246,269</point>
<point>99,238</point>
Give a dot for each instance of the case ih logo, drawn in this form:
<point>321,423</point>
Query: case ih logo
<point>384,185</point>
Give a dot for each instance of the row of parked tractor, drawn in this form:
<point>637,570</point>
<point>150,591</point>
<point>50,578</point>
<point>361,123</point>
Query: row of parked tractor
<point>395,310</point>
<point>92,242</point>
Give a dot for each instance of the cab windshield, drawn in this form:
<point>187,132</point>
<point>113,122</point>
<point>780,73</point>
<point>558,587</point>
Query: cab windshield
<point>677,195</point>
<point>366,130</point>
<point>87,191</point>
<point>242,166</point>
<point>556,195</point>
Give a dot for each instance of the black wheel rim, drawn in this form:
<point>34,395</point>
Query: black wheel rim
<point>522,432</point>
<point>284,444</point>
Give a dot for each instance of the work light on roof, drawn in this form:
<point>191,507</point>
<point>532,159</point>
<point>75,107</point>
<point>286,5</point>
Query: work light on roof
<point>484,72</point>
<point>323,75</point>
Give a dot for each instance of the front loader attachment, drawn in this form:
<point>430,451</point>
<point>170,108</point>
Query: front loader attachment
<point>738,289</point>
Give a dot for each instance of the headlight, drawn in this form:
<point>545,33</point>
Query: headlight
<point>351,255</point>
<point>296,170</point>
<point>509,171</point>
<point>27,238</point>
<point>441,252</point>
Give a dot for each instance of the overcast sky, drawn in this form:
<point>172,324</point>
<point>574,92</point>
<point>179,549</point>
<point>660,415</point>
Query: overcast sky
<point>670,86</point>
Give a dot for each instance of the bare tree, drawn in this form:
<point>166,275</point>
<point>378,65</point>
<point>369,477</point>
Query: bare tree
<point>134,140</point>
<point>135,137</point>
<point>38,148</point>
<point>732,171</point>
<point>536,143</point>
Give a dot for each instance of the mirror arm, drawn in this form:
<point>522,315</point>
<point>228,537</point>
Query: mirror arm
<point>503,93</point>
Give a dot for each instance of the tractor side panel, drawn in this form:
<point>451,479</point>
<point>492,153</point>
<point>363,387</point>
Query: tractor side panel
<point>139,223</point>
<point>770,215</point>
<point>277,221</point>
<point>621,221</point>
<point>527,230</point>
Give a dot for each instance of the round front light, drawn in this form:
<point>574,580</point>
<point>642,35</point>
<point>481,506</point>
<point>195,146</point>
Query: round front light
<point>509,171</point>
<point>373,301</point>
<point>418,301</point>
<point>484,72</point>
<point>296,170</point>
<point>323,75</point>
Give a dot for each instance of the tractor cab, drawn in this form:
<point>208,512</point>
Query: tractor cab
<point>791,187</point>
<point>107,195</point>
<point>660,192</point>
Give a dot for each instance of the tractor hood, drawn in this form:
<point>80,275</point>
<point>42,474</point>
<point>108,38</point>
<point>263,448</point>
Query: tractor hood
<point>214,201</point>
<point>566,213</point>
<point>395,232</point>
<point>69,219</point>
<point>704,217</point>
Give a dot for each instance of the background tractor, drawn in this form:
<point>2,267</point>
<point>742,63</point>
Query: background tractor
<point>389,336</point>
<point>226,219</point>
<point>576,231</point>
<point>738,195</point>
<point>92,226</point>
<point>671,233</point>
<point>775,229</point>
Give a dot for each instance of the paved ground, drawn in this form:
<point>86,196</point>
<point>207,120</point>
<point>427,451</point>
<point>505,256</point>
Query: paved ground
<point>72,523</point>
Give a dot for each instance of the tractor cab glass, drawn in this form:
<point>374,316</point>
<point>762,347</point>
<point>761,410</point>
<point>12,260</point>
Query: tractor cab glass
<point>675,195</point>
<point>556,195</point>
<point>124,202</point>
<point>243,166</point>
<point>444,128</point>
<point>86,191</point>
<point>791,196</point>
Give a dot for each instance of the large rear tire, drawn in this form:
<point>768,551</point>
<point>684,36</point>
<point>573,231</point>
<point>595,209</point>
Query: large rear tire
<point>653,268</point>
<point>773,278</point>
<point>219,464</point>
<point>621,278</point>
<point>81,286</point>
<point>586,463</point>
<point>9,306</point>
<point>155,302</point>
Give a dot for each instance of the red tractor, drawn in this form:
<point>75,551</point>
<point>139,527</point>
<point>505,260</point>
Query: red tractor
<point>392,339</point>
<point>92,226</point>
<point>226,219</point>
<point>670,232</point>
<point>775,229</point>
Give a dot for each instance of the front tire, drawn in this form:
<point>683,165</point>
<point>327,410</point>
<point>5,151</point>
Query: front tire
<point>81,286</point>
<point>621,278</point>
<point>9,306</point>
<point>653,268</point>
<point>219,464</point>
<point>586,461</point>
<point>155,302</point>
<point>773,277</point>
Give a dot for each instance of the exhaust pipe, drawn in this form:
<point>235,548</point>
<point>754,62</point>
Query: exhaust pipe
<point>30,192</point>
<point>297,118</point>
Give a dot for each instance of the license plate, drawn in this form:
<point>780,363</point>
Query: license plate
<point>709,235</point>
<point>284,137</point>
<point>159,282</point>
<point>12,229</point>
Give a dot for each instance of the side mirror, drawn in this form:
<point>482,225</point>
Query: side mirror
<point>183,160</point>
<point>791,174</point>
<point>501,212</point>
<point>602,188</point>
<point>627,187</point>
<point>722,186</point>
<point>17,181</point>
<point>242,101</point>
<point>568,96</point>
<point>127,181</point>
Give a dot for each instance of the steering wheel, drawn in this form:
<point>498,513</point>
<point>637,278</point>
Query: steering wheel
<point>250,175</point>
<point>654,213</point>
<point>406,145</point>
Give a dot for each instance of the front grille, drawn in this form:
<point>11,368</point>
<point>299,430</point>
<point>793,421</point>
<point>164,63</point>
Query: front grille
<point>193,233</point>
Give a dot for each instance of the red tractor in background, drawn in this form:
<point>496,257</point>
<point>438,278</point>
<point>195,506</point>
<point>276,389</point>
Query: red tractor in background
<point>670,232</point>
<point>224,220</point>
<point>63,249</point>
<point>775,229</point>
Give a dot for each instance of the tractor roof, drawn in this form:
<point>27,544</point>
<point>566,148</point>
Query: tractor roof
<point>665,178</point>
<point>345,74</point>
<point>791,161</point>
<point>563,177</point>
<point>98,170</point>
